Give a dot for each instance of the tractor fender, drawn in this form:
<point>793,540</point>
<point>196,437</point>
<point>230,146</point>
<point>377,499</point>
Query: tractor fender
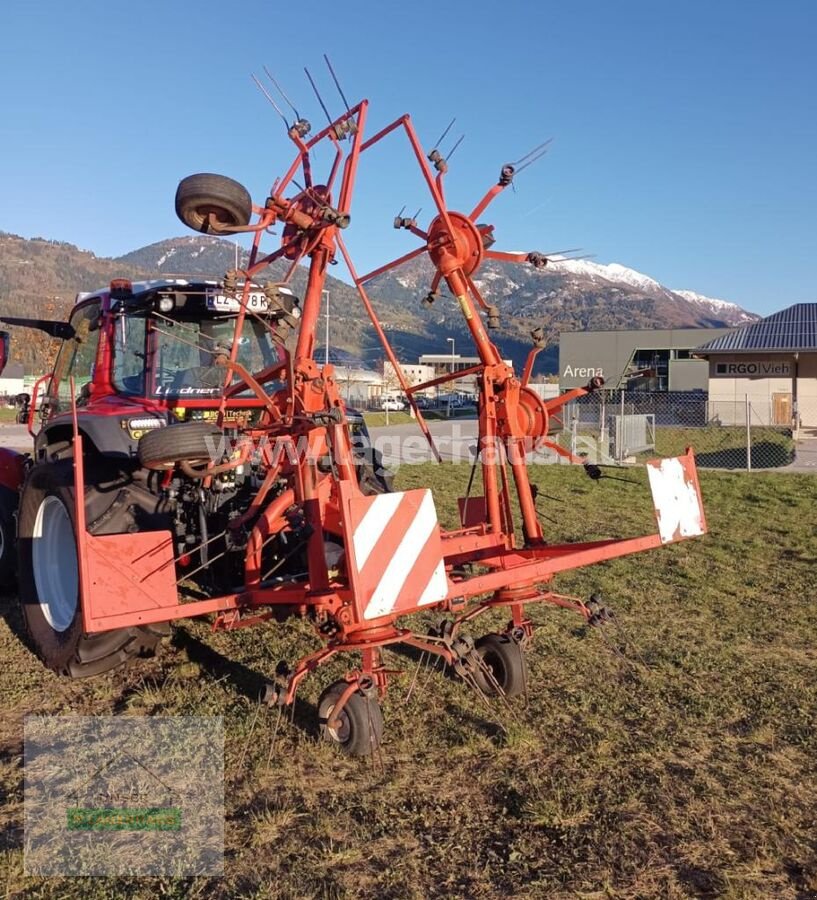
<point>105,433</point>
<point>12,469</point>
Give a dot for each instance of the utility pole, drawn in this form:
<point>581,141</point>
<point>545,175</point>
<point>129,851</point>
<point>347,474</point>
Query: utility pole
<point>453,365</point>
<point>384,385</point>
<point>326,355</point>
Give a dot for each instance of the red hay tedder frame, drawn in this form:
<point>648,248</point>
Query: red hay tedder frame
<point>397,559</point>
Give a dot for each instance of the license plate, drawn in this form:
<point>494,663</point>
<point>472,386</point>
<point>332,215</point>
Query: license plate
<point>256,302</point>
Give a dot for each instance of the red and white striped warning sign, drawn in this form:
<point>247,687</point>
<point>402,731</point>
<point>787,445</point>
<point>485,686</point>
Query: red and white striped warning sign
<point>396,559</point>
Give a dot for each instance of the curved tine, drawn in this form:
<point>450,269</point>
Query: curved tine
<point>532,160</point>
<point>451,151</point>
<point>571,258</point>
<point>442,136</point>
<point>527,156</point>
<point>337,83</point>
<point>317,94</point>
<point>281,92</point>
<point>266,93</point>
<point>550,254</point>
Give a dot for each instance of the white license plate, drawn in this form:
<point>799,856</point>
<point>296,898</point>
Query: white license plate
<point>256,302</point>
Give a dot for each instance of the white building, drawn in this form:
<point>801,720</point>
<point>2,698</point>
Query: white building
<point>769,368</point>
<point>357,384</point>
<point>414,373</point>
<point>12,382</point>
<point>433,365</point>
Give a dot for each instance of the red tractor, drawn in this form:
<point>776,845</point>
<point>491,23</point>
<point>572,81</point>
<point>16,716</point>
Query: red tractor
<point>189,465</point>
<point>135,358</point>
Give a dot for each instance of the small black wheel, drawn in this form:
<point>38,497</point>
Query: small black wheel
<point>194,442</point>
<point>505,660</point>
<point>8,504</point>
<point>198,197</point>
<point>360,729</point>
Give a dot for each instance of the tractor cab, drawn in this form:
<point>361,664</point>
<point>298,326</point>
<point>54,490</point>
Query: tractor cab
<point>137,356</point>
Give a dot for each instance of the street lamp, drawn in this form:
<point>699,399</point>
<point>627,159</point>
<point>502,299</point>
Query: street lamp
<point>453,366</point>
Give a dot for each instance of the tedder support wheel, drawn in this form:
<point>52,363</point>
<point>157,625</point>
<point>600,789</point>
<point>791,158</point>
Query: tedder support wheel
<point>8,503</point>
<point>193,442</point>
<point>360,729</point>
<point>48,576</point>
<point>198,197</point>
<point>505,660</point>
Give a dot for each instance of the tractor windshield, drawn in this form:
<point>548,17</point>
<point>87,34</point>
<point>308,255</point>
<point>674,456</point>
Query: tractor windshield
<point>178,353</point>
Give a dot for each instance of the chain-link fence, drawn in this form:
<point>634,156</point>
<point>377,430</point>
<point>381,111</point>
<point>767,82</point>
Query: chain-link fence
<point>629,427</point>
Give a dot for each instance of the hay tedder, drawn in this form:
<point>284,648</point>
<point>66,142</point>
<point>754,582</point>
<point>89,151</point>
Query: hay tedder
<point>197,467</point>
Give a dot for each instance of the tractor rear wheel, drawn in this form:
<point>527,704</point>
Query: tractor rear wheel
<point>360,727</point>
<point>8,503</point>
<point>504,659</point>
<point>48,575</point>
<point>200,197</point>
<point>372,475</point>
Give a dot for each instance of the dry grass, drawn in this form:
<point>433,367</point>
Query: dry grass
<point>683,768</point>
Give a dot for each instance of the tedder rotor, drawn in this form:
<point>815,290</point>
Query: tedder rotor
<point>366,560</point>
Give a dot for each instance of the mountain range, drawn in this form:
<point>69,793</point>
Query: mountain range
<point>40,277</point>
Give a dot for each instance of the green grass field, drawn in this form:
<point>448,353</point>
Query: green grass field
<point>725,447</point>
<point>377,419</point>
<point>7,414</point>
<point>671,755</point>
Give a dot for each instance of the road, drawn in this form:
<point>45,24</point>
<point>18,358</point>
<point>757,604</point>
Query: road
<point>399,444</point>
<point>805,456</point>
<point>15,436</point>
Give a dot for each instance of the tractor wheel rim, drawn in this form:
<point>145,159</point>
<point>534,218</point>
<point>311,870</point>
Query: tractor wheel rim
<point>341,733</point>
<point>54,561</point>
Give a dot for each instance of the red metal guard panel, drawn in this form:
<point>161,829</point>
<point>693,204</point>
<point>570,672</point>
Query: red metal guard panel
<point>127,574</point>
<point>394,551</point>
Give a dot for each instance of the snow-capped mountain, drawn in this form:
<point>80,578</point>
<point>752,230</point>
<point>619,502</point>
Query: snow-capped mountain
<point>613,272</point>
<point>737,315</point>
<point>567,295</point>
<point>616,273</point>
<point>197,255</point>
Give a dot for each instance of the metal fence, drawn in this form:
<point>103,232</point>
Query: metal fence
<point>630,427</point>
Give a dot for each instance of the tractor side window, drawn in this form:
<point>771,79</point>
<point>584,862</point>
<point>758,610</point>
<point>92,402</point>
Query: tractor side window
<point>129,354</point>
<point>76,359</point>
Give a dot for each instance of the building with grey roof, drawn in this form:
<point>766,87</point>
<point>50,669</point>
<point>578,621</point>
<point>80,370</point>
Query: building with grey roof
<point>770,365</point>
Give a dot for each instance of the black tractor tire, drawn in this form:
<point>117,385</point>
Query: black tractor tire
<point>8,506</point>
<point>60,642</point>
<point>193,442</point>
<point>198,197</point>
<point>361,720</point>
<point>372,476</point>
<point>505,660</point>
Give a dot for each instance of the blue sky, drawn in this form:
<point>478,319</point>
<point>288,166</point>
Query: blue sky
<point>685,133</point>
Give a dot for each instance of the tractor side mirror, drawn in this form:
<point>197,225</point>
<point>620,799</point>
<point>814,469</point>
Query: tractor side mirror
<point>4,349</point>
